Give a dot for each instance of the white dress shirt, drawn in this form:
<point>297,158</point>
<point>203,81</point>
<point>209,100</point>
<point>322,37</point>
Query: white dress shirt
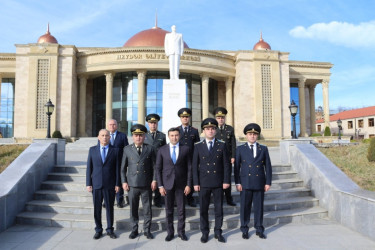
<point>254,148</point>
<point>208,143</point>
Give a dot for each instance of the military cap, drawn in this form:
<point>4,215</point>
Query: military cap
<point>184,112</point>
<point>252,128</point>
<point>138,129</point>
<point>152,118</point>
<point>209,122</point>
<point>220,111</point>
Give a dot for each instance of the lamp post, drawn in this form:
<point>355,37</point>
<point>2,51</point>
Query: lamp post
<point>293,111</point>
<point>339,123</point>
<point>49,107</point>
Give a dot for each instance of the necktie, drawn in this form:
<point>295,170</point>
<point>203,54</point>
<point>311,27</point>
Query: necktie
<point>186,131</point>
<point>174,155</point>
<point>153,135</point>
<point>210,147</point>
<point>251,151</point>
<point>139,150</point>
<point>112,139</point>
<point>103,154</point>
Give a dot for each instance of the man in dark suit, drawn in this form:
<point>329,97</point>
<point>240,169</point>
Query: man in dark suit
<point>156,139</point>
<point>173,173</point>
<point>226,133</point>
<point>211,174</point>
<point>253,177</point>
<point>118,140</point>
<point>188,137</point>
<point>103,180</point>
<point>138,178</point>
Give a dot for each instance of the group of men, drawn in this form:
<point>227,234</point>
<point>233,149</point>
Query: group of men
<point>177,169</point>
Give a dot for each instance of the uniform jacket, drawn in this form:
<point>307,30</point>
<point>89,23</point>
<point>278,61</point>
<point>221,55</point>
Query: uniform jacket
<point>211,169</point>
<point>189,139</point>
<point>103,175</point>
<point>252,173</point>
<point>138,170</point>
<point>227,135</point>
<point>160,140</point>
<point>169,174</point>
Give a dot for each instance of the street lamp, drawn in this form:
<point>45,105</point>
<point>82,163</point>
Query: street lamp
<point>339,123</point>
<point>49,107</point>
<point>293,111</point>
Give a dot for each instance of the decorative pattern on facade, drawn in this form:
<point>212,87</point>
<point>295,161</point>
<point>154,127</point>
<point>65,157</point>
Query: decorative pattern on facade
<point>42,93</point>
<point>266,96</point>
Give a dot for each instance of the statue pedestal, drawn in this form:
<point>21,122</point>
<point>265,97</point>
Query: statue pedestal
<point>174,98</point>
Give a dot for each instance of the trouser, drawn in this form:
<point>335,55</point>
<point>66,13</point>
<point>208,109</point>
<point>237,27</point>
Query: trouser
<point>247,198</point>
<point>204,200</point>
<point>228,194</point>
<point>145,194</point>
<point>157,196</point>
<point>108,195</point>
<point>175,194</point>
<point>120,196</point>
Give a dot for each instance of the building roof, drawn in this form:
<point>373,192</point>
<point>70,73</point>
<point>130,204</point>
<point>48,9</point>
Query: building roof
<point>47,37</point>
<point>350,114</point>
<point>261,45</point>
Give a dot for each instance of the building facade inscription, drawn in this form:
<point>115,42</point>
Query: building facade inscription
<point>153,56</point>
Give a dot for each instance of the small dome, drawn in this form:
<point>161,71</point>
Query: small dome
<point>149,38</point>
<point>47,38</point>
<point>261,45</point>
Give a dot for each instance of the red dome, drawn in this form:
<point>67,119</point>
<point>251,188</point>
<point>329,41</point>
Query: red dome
<point>149,38</point>
<point>47,38</point>
<point>261,45</point>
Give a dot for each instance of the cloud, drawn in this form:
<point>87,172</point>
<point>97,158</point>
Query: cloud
<point>339,33</point>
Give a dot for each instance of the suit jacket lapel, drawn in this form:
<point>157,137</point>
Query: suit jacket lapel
<point>110,149</point>
<point>99,155</point>
<point>214,148</point>
<point>259,150</point>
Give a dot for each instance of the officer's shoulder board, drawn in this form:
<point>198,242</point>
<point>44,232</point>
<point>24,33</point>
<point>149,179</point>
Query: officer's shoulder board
<point>220,141</point>
<point>198,142</point>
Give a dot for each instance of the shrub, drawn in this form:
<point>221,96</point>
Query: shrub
<point>371,150</point>
<point>366,140</point>
<point>57,134</point>
<point>327,131</point>
<point>315,134</point>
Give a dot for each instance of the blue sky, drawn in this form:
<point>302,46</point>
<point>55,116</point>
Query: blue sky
<point>335,31</point>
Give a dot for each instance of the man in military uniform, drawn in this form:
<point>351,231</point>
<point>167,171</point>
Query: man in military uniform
<point>211,174</point>
<point>139,179</point>
<point>156,139</point>
<point>188,136</point>
<point>226,133</point>
<point>253,177</point>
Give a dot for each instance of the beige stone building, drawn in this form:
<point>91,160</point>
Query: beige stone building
<point>91,85</point>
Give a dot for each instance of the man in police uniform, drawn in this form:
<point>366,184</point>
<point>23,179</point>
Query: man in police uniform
<point>226,133</point>
<point>139,178</point>
<point>253,177</point>
<point>188,137</point>
<point>156,139</point>
<point>211,174</point>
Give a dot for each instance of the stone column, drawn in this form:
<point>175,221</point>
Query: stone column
<point>82,105</point>
<point>205,97</point>
<point>302,108</point>
<point>141,95</point>
<point>325,84</point>
<point>229,100</point>
<point>312,108</point>
<point>1,81</point>
<point>108,96</point>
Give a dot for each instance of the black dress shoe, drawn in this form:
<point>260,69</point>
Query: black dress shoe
<point>220,238</point>
<point>148,234</point>
<point>158,205</point>
<point>169,237</point>
<point>133,234</point>
<point>97,235</point>
<point>112,235</point>
<point>183,237</point>
<point>204,238</point>
<point>245,236</point>
<point>120,205</point>
<point>261,235</point>
<point>231,203</point>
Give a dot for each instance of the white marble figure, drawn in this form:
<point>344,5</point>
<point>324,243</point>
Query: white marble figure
<point>174,47</point>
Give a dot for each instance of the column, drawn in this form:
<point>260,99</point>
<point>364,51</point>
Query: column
<point>205,98</point>
<point>141,95</point>
<point>325,84</point>
<point>302,108</point>
<point>229,100</point>
<point>82,105</point>
<point>108,96</point>
<point>312,108</point>
<point>1,81</point>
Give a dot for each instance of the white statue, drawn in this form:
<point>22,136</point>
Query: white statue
<point>174,47</point>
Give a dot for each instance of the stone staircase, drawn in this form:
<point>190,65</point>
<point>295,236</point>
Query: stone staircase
<point>63,201</point>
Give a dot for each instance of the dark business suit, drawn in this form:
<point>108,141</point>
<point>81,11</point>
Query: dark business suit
<point>121,140</point>
<point>138,172</point>
<point>253,175</point>
<point>210,171</point>
<point>174,178</point>
<point>103,177</point>
<point>157,142</point>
